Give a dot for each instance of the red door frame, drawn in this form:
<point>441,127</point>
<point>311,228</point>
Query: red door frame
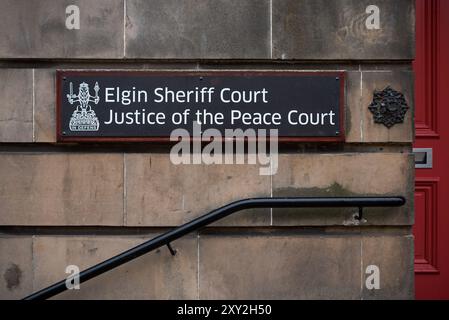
<point>432,185</point>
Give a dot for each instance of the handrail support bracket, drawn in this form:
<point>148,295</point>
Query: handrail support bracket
<point>172,251</point>
<point>359,216</point>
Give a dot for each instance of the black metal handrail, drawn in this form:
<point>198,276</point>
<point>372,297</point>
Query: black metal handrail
<point>217,214</point>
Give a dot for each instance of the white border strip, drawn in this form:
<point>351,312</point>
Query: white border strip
<point>33,102</point>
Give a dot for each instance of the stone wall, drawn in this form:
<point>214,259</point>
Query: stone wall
<point>79,204</point>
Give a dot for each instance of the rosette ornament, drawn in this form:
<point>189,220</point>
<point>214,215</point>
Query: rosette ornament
<point>388,107</point>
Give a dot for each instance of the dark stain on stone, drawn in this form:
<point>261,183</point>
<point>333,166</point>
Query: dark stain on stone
<point>334,190</point>
<point>326,215</point>
<point>304,214</point>
<point>12,276</point>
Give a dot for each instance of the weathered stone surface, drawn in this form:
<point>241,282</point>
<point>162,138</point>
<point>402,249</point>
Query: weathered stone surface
<point>393,255</point>
<point>360,124</point>
<point>61,189</point>
<point>353,112</point>
<point>346,174</point>
<point>322,29</point>
<point>44,105</point>
<point>156,275</point>
<point>324,261</point>
<point>276,265</point>
<point>16,267</point>
<point>198,29</point>
<point>16,105</point>
<point>283,66</point>
<point>279,267</point>
<point>159,193</point>
<point>37,29</point>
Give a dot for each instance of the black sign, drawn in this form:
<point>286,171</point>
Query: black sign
<point>149,106</point>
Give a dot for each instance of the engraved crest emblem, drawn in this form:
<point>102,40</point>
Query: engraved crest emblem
<point>84,117</point>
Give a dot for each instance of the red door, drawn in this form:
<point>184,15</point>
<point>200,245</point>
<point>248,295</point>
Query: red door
<point>431,228</point>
